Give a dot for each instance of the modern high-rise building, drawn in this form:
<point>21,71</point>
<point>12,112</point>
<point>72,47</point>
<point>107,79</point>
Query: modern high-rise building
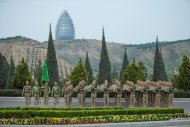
<point>65,28</point>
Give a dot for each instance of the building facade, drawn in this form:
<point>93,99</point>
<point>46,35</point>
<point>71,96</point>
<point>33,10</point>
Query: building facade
<point>65,27</point>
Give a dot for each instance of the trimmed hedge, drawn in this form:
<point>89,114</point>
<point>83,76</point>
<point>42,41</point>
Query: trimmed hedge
<point>57,108</point>
<point>85,113</point>
<point>10,92</point>
<point>182,94</point>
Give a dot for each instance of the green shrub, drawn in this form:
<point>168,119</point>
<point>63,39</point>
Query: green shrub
<point>85,113</point>
<point>181,94</point>
<point>10,92</point>
<point>57,108</point>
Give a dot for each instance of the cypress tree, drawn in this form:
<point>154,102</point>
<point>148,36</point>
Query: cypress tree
<point>156,68</point>
<point>114,75</point>
<point>125,63</point>
<point>79,73</point>
<point>164,76</point>
<point>52,60</point>
<point>104,66</point>
<point>88,69</point>
<point>10,73</point>
<point>183,78</point>
<point>4,66</point>
<point>159,73</point>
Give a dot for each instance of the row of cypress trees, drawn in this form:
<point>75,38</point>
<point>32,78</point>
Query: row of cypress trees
<point>105,66</point>
<point>133,71</point>
<point>138,70</point>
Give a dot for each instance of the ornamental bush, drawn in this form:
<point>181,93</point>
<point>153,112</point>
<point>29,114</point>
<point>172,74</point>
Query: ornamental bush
<point>58,108</point>
<point>10,92</point>
<point>22,113</point>
<point>182,94</point>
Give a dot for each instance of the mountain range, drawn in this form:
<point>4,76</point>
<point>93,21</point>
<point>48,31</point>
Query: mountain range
<point>69,52</point>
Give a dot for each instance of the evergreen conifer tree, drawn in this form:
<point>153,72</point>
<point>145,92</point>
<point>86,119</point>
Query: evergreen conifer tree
<point>88,69</point>
<point>21,75</point>
<point>10,73</point>
<point>52,61</point>
<point>133,73</point>
<point>125,63</point>
<point>79,73</point>
<point>183,78</point>
<point>159,73</point>
<point>104,66</point>
<point>4,69</point>
<point>164,76</point>
<point>143,68</point>
<point>114,75</point>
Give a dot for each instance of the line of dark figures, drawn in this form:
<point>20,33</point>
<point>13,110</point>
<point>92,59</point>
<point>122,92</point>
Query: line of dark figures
<point>143,94</point>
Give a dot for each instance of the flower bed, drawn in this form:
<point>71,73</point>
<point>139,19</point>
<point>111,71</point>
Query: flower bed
<point>86,115</point>
<point>90,119</point>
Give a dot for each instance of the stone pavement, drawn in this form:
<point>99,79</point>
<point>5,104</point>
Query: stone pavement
<point>171,123</point>
<point>19,101</point>
<point>178,102</point>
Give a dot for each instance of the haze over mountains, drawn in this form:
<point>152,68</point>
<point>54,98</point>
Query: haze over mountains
<point>68,52</point>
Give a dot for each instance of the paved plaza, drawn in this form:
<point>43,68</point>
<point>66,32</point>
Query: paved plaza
<point>19,101</point>
<point>171,123</point>
<point>178,102</point>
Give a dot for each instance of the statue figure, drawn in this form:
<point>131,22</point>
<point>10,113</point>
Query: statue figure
<point>106,93</point>
<point>129,89</point>
<point>55,93</point>
<point>143,97</point>
<point>70,91</point>
<point>36,93</point>
<point>66,93</point>
<point>27,93</point>
<point>93,93</point>
<point>116,88</point>
<point>80,89</point>
<point>47,92</point>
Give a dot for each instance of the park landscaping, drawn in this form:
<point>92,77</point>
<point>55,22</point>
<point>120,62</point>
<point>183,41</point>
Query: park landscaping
<point>85,115</point>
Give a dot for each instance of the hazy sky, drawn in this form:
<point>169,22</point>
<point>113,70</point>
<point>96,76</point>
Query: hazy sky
<point>125,21</point>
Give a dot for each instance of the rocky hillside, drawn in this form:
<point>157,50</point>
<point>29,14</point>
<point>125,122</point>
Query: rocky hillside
<point>172,53</point>
<point>68,52</point>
